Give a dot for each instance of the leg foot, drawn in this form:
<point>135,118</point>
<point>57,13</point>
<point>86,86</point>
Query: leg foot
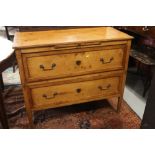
<point>3,116</point>
<point>30,118</point>
<point>119,104</point>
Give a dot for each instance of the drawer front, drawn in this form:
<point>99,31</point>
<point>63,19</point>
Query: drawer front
<point>72,93</point>
<point>41,67</point>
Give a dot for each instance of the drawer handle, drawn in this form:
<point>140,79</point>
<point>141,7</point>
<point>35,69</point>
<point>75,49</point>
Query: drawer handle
<point>92,44</point>
<point>78,62</point>
<point>68,46</point>
<point>50,97</point>
<point>104,62</point>
<point>64,46</point>
<point>78,45</point>
<point>47,69</point>
<point>104,88</point>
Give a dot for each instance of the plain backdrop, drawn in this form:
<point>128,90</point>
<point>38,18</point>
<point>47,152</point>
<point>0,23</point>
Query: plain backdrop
<point>76,13</point>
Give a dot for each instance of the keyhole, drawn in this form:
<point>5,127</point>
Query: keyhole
<point>78,90</point>
<point>78,62</point>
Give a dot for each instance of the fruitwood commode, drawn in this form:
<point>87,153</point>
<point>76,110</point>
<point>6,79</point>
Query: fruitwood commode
<point>65,67</point>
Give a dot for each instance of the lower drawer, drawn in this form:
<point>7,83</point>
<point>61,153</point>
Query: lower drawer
<point>72,93</point>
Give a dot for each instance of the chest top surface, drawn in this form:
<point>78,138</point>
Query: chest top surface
<point>54,37</point>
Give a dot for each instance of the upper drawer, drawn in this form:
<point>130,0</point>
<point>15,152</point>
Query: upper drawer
<point>47,65</point>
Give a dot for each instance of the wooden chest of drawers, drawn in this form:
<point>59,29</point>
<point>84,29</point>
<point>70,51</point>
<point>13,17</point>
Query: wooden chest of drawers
<point>65,67</point>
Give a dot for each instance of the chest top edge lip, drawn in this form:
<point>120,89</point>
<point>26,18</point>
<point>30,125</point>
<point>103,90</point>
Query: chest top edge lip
<point>68,43</point>
<point>52,37</point>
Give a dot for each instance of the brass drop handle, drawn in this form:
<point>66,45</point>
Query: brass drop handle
<point>78,62</point>
<point>104,88</point>
<point>50,97</point>
<point>47,69</point>
<point>106,62</point>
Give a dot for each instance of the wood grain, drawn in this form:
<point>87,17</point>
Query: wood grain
<point>71,36</point>
<point>73,92</point>
<point>65,67</point>
<point>77,63</point>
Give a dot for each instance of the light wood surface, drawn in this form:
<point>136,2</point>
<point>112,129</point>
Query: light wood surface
<point>71,36</point>
<point>54,96</point>
<point>43,66</point>
<point>65,67</point>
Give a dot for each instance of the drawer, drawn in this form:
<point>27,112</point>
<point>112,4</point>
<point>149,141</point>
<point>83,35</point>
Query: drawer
<point>72,93</point>
<point>51,66</point>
